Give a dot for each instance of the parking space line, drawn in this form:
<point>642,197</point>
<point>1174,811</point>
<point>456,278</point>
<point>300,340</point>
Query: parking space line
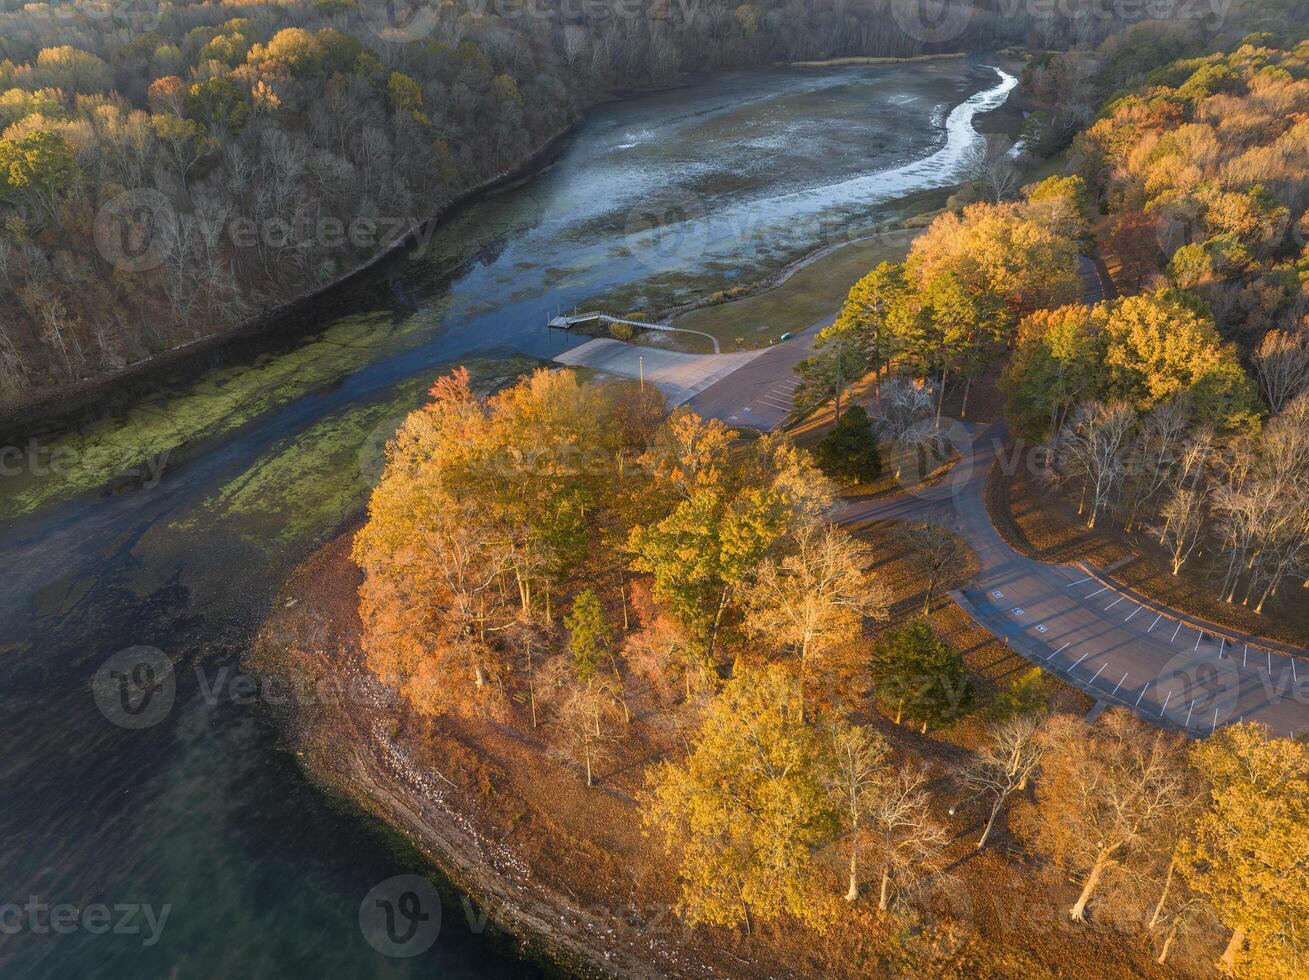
<point>1221,647</point>
<point>1187,724</point>
<point>1156,622</point>
<point>1143,690</point>
<point>1165,707</point>
<point>1115,602</point>
<point>1094,594</point>
<point>1270,663</point>
<point>1198,637</point>
<point>1057,652</point>
<point>1245,660</point>
<point>1173,638</point>
<point>1119,684</point>
<point>1079,660</point>
<point>1214,726</point>
<point>1078,582</point>
<point>1294,679</point>
<point>1097,673</point>
<point>1129,618</point>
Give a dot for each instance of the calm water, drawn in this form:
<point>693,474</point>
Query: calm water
<point>201,816</point>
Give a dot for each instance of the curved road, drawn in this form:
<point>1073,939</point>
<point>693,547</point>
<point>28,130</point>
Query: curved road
<point>1086,631</point>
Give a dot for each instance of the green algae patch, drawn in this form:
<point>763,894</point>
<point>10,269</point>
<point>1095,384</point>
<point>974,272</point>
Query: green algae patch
<point>305,486</point>
<point>136,445</point>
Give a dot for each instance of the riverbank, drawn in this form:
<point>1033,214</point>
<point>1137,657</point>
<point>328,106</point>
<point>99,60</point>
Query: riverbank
<point>55,410</point>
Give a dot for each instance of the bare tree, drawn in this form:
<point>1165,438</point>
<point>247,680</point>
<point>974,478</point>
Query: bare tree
<point>905,838</point>
<point>1185,523</point>
<point>1153,455</point>
<point>1005,763</point>
<point>1108,795</point>
<point>937,551</point>
<point>1283,365</point>
<point>859,774</point>
<point>1090,449</point>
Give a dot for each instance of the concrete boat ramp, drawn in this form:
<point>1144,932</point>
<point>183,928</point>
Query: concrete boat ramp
<point>679,376</point>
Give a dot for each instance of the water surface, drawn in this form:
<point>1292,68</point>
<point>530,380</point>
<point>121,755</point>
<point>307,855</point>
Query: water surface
<point>654,199</point>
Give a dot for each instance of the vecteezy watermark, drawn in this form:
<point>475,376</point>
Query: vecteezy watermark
<point>932,21</point>
<point>1198,694</point>
<point>139,230</point>
<point>36,458</point>
<point>130,229</point>
<point>939,21</point>
<point>97,918</point>
<point>135,688</point>
<point>401,917</point>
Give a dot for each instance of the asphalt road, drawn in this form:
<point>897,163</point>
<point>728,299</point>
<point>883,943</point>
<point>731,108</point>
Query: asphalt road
<point>758,394</point>
<point>1144,657</point>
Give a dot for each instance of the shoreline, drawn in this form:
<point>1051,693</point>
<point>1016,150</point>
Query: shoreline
<point>35,413</point>
<point>346,746</point>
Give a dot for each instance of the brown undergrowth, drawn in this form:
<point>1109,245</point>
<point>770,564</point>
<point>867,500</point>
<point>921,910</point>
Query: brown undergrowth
<point>570,870</point>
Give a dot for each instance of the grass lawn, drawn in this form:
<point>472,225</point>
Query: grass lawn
<point>813,292</point>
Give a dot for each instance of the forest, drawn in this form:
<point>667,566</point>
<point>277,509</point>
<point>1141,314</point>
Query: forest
<point>572,562</point>
<point>170,172</point>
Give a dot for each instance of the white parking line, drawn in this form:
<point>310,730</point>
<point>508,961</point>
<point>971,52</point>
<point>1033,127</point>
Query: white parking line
<point>1214,726</point>
<point>1059,651</point>
<point>1165,707</point>
<point>1119,684</point>
<point>1221,647</point>
<point>1156,622</point>
<point>1173,638</point>
<point>1143,690</point>
<point>1094,594</point>
<point>1245,660</point>
<point>1188,714</point>
<point>1079,660</point>
<point>1115,602</point>
<point>1294,679</point>
<point>1198,637</point>
<point>1078,582</point>
<point>1097,673</point>
<point>1270,663</point>
<point>1129,618</point>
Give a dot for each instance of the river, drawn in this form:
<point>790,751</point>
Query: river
<point>200,815</point>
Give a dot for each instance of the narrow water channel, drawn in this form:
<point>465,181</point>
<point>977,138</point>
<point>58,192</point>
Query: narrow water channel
<point>200,813</point>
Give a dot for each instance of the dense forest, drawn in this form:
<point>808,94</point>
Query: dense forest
<point>171,171</point>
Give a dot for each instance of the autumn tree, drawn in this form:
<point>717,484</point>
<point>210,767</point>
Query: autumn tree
<point>816,595</point>
<point>1247,853</point>
<point>1028,695</point>
<point>1108,794</point>
<point>859,774</point>
<point>745,811</point>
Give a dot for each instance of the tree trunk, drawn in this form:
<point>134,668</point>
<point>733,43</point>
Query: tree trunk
<point>995,812</point>
<point>1168,944</point>
<point>885,899</point>
<point>852,893</point>
<point>1159,908</point>
<point>1228,963</point>
<point>1078,912</point>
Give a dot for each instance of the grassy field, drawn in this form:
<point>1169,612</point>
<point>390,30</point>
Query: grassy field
<point>814,291</point>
